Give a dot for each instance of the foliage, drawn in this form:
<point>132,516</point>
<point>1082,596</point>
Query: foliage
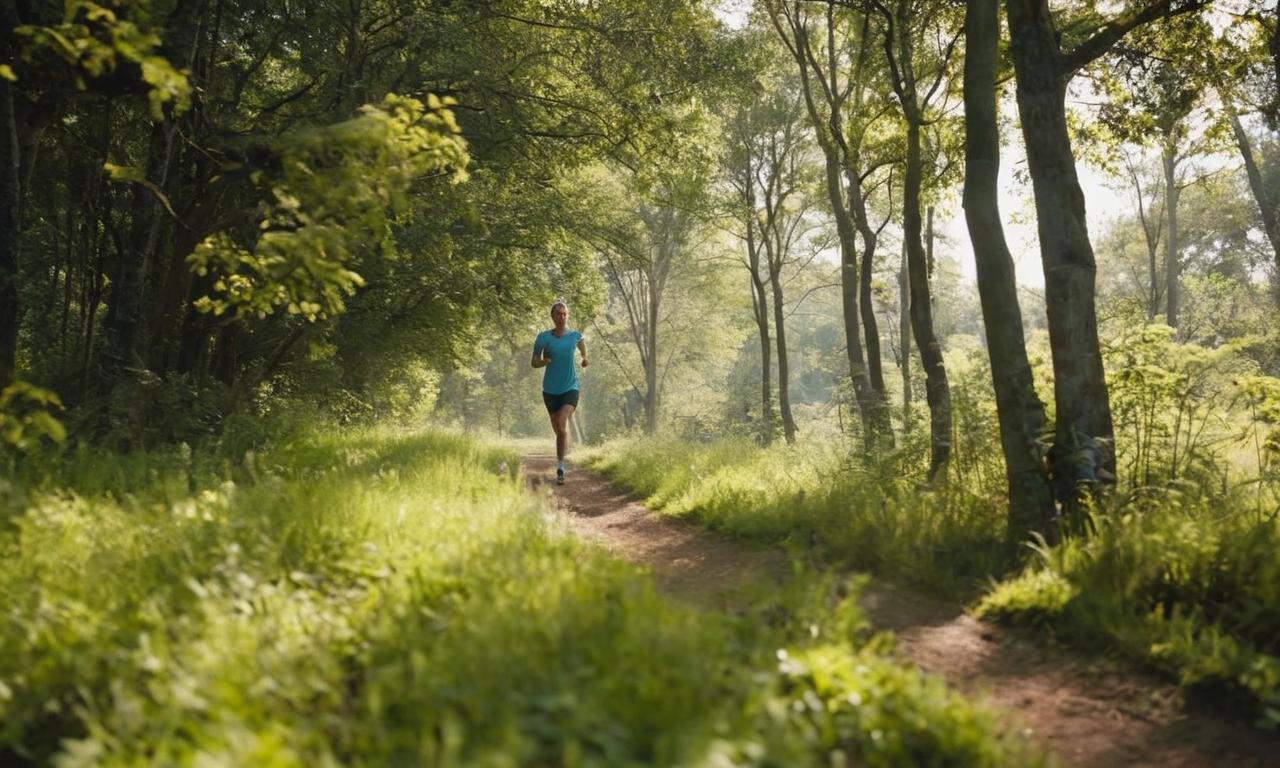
<point>1172,405</point>
<point>373,596</point>
<point>292,212</point>
<point>27,419</point>
<point>94,41</point>
<point>338,189</point>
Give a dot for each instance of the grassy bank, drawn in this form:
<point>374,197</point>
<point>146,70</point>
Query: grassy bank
<point>377,597</point>
<point>1190,585</point>
<point>809,496</point>
<point>1190,590</point>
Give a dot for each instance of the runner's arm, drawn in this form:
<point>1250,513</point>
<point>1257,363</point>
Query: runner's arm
<point>582,347</point>
<point>540,357</point>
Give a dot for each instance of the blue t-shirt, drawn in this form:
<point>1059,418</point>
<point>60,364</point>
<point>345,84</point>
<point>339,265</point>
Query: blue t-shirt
<point>561,375</point>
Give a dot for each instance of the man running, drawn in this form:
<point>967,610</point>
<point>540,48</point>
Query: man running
<point>553,350</point>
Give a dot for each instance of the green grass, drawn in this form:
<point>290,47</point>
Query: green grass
<point>1185,585</point>
<point>1187,589</point>
<point>376,597</point>
<point>809,496</point>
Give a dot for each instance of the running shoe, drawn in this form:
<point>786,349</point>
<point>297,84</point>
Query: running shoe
<point>559,475</point>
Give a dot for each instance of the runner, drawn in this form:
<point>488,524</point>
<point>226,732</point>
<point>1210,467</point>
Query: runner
<point>553,350</point>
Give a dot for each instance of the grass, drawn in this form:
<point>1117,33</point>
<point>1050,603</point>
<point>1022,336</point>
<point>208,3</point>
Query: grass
<point>1188,583</point>
<point>809,496</point>
<point>375,597</point>
<point>1188,590</point>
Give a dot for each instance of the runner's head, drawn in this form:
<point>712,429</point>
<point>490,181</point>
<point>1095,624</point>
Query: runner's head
<point>559,311</point>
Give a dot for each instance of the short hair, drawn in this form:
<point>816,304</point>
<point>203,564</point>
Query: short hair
<point>558,303</point>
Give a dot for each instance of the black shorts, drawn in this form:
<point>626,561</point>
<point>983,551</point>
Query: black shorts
<point>556,402</point>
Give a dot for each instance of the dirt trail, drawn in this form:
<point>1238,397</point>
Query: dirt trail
<point>1089,712</point>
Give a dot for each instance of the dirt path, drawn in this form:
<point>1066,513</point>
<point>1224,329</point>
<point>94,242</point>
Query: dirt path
<point>1089,712</point>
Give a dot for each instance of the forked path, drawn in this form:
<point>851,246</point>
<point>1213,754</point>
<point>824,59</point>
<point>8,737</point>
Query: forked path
<point>1088,712</point>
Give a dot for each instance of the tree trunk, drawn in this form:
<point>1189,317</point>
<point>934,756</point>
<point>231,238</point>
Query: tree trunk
<point>760,304</point>
<point>858,207</point>
<point>126,331</point>
<point>1080,454</point>
<point>1273,45</point>
<point>195,330</point>
<point>1266,207</point>
<point>904,337</point>
<point>651,370</point>
<point>10,226</point>
<point>228,353</point>
<point>1172,264</point>
<point>899,57</point>
<point>937,390</point>
<point>760,309</point>
<point>874,425</point>
<point>875,368</point>
<point>780,337</point>
<point>1018,408</point>
<point>928,242</point>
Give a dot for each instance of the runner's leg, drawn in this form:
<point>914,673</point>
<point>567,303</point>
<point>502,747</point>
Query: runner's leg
<point>560,422</point>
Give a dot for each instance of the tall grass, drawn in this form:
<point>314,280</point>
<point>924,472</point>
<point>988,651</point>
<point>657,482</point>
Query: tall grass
<point>811,496</point>
<point>1187,582</point>
<point>373,597</point>
<point>1192,590</point>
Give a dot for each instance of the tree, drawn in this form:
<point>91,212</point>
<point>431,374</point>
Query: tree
<point>742,158</point>
<point>843,176</point>
<point>45,66</point>
<point>775,147</point>
<point>1163,79</point>
<point>1246,82</point>
<point>1018,408</point>
<point>910,77</point>
<point>10,201</point>
<point>322,236</point>
<point>645,237</point>
<point>1044,61</point>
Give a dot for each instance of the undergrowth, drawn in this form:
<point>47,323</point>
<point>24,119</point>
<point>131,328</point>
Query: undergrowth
<point>1186,582</point>
<point>372,597</point>
<point>1190,590</point>
<point>873,518</point>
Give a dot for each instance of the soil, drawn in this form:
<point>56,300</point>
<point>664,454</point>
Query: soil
<point>1086,710</point>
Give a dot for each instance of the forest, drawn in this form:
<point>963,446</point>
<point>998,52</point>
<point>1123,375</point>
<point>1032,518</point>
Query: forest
<point>888,303</point>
